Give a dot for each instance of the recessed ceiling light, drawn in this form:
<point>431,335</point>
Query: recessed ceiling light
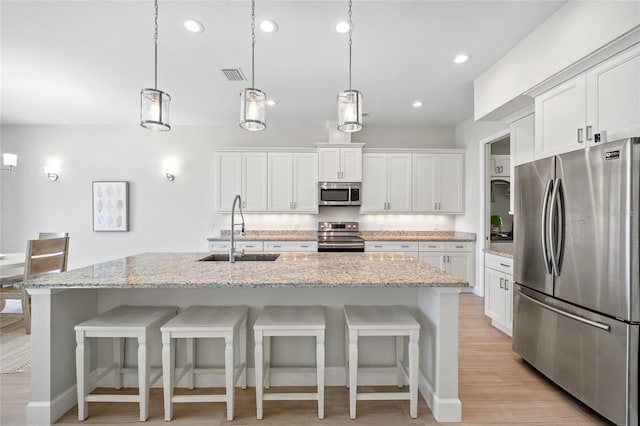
<point>268,26</point>
<point>271,102</point>
<point>342,27</point>
<point>461,58</point>
<point>418,104</point>
<point>193,25</point>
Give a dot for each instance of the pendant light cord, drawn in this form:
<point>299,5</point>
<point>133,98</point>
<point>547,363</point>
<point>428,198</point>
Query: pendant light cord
<point>155,45</point>
<point>350,42</point>
<point>253,42</point>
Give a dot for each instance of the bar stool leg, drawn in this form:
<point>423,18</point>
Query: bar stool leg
<point>320,372</point>
<point>82,373</point>
<point>168,374</point>
<point>267,362</point>
<point>143,376</point>
<point>400,359</point>
<point>413,372</point>
<point>259,377</point>
<point>191,361</point>
<point>243,353</point>
<point>346,354</point>
<point>229,372</point>
<point>118,358</point>
<point>353,372</point>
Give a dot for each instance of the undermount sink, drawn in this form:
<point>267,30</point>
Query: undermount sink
<point>258,257</point>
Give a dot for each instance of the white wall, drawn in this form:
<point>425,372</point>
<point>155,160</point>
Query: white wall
<point>164,216</point>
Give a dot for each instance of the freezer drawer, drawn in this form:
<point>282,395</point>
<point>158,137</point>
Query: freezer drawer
<point>591,356</point>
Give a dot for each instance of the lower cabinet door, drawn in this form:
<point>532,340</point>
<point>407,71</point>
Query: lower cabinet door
<point>433,258</point>
<point>461,265</point>
<point>495,305</point>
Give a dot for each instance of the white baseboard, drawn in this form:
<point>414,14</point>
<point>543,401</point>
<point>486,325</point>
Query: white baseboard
<point>46,413</point>
<point>443,409</point>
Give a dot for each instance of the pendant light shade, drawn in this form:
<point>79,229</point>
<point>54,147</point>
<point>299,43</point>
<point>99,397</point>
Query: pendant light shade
<point>154,110</point>
<point>252,109</point>
<point>154,103</point>
<point>350,101</point>
<point>350,111</point>
<point>253,101</point>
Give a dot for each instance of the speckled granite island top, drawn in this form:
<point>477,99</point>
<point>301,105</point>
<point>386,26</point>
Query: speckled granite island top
<point>291,270</point>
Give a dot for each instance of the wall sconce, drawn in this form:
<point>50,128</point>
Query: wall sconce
<point>9,160</point>
<point>170,167</point>
<point>52,170</point>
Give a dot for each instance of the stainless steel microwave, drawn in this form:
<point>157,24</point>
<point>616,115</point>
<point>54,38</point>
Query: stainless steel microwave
<point>339,193</point>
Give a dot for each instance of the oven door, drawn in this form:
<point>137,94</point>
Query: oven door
<point>340,244</point>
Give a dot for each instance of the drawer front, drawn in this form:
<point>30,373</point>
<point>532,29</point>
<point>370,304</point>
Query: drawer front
<point>499,263</point>
<point>249,246</point>
<point>285,246</point>
<point>432,246</point>
<point>400,246</point>
<point>459,246</point>
<point>219,246</point>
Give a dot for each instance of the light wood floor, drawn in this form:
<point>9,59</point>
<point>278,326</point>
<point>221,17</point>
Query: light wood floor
<point>496,387</point>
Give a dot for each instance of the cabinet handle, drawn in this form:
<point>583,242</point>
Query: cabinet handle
<point>378,246</point>
<point>580,136</point>
<point>589,133</point>
<point>501,282</point>
<point>433,246</point>
<point>244,204</point>
<point>459,246</point>
<point>506,284</point>
<point>277,246</point>
<point>448,259</point>
<point>505,265</point>
<point>304,246</point>
<point>404,246</point>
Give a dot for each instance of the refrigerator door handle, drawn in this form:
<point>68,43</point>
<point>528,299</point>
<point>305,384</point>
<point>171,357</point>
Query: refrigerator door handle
<point>556,239</point>
<point>596,324</point>
<point>543,225</point>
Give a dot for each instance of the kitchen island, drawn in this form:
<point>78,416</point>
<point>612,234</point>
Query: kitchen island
<point>179,279</point>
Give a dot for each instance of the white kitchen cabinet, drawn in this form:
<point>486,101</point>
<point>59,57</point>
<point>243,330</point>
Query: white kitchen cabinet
<point>340,164</point>
<point>438,183</point>
<point>498,278</point>
<point>386,183</point>
<point>605,97</point>
<point>243,173</point>
<point>407,247</point>
<point>457,258</point>
<point>291,246</point>
<point>247,246</point>
<point>292,182</point>
<point>500,165</point>
<point>521,147</point>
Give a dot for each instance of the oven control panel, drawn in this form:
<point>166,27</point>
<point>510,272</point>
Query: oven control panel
<point>338,226</point>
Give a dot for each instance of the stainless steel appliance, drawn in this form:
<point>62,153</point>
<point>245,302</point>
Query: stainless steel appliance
<point>577,296</point>
<point>339,236</point>
<point>339,193</point>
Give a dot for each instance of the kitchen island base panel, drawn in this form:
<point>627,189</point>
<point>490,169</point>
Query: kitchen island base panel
<point>56,311</point>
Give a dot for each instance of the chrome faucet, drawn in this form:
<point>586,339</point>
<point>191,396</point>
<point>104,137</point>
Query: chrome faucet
<point>232,247</point>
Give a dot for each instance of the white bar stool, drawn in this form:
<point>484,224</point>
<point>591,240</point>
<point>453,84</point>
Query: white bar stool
<point>288,321</point>
<point>137,322</point>
<point>224,322</point>
<point>382,321</point>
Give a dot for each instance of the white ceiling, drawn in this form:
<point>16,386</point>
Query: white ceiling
<point>84,62</point>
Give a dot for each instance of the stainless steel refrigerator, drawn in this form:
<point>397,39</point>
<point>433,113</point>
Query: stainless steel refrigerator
<point>577,297</point>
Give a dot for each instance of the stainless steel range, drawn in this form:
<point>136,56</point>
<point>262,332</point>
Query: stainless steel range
<point>339,236</point>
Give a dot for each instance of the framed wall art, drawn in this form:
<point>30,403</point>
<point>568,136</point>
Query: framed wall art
<point>110,206</point>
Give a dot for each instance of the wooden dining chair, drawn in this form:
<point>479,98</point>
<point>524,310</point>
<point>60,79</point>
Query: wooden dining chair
<point>41,257</point>
<point>46,235</point>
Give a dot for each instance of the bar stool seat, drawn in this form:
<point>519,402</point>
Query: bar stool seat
<point>288,321</point>
<point>137,322</point>
<point>382,321</point>
<point>195,322</point>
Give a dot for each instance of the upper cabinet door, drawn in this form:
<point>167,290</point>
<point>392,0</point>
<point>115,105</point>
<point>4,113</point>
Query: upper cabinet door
<point>560,117</point>
<point>329,162</point>
<point>305,182</point>
<point>613,95</point>
<point>374,183</point>
<point>254,181</point>
<point>280,182</point>
<point>351,164</point>
<point>399,182</point>
<point>425,188</point>
<point>228,179</point>
<point>451,181</point>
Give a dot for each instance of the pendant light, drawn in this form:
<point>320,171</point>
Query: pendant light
<point>253,101</point>
<point>350,101</point>
<point>154,103</point>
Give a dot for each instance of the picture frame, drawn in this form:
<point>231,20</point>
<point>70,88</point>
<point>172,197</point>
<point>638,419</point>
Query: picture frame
<point>110,201</point>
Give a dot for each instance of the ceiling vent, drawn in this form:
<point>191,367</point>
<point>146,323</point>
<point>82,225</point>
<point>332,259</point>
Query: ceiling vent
<point>233,74</point>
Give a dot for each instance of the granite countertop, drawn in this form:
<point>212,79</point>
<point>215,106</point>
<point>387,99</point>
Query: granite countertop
<point>290,270</point>
<point>366,235</point>
<point>500,251</point>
